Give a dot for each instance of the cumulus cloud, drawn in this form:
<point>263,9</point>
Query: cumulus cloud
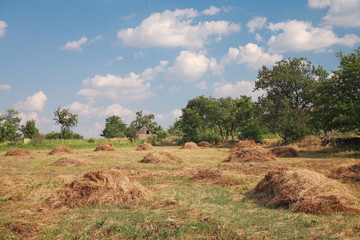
<point>75,45</point>
<point>95,39</point>
<point>223,89</point>
<point>343,13</point>
<point>256,23</point>
<point>3,26</point>
<point>297,36</point>
<point>168,118</point>
<point>211,11</point>
<point>44,124</point>
<point>35,102</point>
<point>175,29</point>
<point>5,87</point>
<point>201,85</point>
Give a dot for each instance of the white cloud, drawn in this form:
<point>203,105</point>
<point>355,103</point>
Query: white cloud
<point>236,90</point>
<point>44,124</point>
<point>343,13</point>
<point>297,36</point>
<point>258,37</point>
<point>256,23</point>
<point>174,89</point>
<point>201,85</point>
<point>95,39</point>
<point>151,73</point>
<point>175,29</point>
<point>168,118</point>
<point>119,58</point>
<point>75,45</point>
<point>211,11</point>
<point>5,87</point>
<point>35,102</point>
<point>3,26</point>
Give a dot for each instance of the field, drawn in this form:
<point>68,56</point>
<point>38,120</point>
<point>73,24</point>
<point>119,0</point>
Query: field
<point>182,207</point>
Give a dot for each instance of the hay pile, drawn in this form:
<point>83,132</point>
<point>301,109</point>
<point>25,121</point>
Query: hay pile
<point>161,157</point>
<point>248,151</point>
<point>105,147</point>
<point>205,144</point>
<point>69,162</point>
<point>213,175</point>
<point>284,152</point>
<point>190,145</point>
<point>347,173</point>
<point>102,187</point>
<point>301,190</point>
<point>144,147</point>
<point>60,149</point>
<point>17,152</point>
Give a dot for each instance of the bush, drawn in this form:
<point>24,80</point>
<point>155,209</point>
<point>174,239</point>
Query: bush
<point>292,128</point>
<point>91,140</point>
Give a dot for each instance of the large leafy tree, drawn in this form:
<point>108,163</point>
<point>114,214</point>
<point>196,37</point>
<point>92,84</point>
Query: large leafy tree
<point>29,129</point>
<point>65,119</point>
<point>147,119</point>
<point>114,127</point>
<point>290,90</point>
<point>9,126</point>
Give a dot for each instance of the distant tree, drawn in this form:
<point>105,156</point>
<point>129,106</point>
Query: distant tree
<point>175,129</point>
<point>9,126</point>
<point>29,129</point>
<point>66,119</point>
<point>114,127</point>
<point>148,120</point>
<point>131,132</point>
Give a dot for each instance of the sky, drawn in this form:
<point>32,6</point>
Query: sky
<point>116,57</point>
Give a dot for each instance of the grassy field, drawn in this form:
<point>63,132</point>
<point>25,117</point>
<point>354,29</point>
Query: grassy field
<point>181,209</point>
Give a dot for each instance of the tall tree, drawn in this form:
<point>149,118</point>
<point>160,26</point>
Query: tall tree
<point>114,127</point>
<point>66,119</point>
<point>29,129</point>
<point>9,126</point>
<point>148,120</point>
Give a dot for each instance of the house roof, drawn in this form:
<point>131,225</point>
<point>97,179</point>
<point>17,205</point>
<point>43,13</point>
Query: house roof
<point>138,128</point>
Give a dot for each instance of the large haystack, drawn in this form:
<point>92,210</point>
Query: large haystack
<point>284,152</point>
<point>144,147</point>
<point>69,162</point>
<point>60,149</point>
<point>347,173</point>
<point>161,157</point>
<point>301,190</point>
<point>204,144</point>
<point>212,175</point>
<point>248,151</point>
<point>190,145</point>
<point>17,152</point>
<point>102,187</point>
<point>105,147</point>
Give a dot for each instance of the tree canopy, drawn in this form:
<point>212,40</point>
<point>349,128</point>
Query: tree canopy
<point>114,127</point>
<point>66,119</point>
<point>29,129</point>
<point>9,126</point>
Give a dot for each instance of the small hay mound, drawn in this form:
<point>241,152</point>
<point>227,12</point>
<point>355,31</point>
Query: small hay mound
<point>17,152</point>
<point>248,151</point>
<point>205,144</point>
<point>190,145</point>
<point>301,190</point>
<point>161,157</point>
<point>105,147</point>
<point>60,149</point>
<point>69,162</point>
<point>213,175</point>
<point>245,144</point>
<point>102,187</point>
<point>144,147</point>
<point>284,152</point>
<point>347,173</point>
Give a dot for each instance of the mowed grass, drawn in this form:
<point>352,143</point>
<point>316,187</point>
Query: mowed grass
<point>181,209</point>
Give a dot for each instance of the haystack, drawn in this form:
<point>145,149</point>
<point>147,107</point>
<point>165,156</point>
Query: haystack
<point>301,190</point>
<point>105,147</point>
<point>161,157</point>
<point>213,175</point>
<point>347,173</point>
<point>248,151</point>
<point>189,145</point>
<point>17,152</point>
<point>60,149</point>
<point>69,162</point>
<point>144,147</point>
<point>284,152</point>
<point>102,187</point>
<point>204,144</point>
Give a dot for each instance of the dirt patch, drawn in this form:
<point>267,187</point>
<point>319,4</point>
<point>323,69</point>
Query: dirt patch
<point>144,147</point>
<point>347,173</point>
<point>60,149</point>
<point>248,151</point>
<point>213,175</point>
<point>105,147</point>
<point>302,190</point>
<point>69,162</point>
<point>17,152</point>
<point>102,187</point>
<point>284,152</point>
<point>161,157</point>
<point>205,144</point>
<point>190,145</point>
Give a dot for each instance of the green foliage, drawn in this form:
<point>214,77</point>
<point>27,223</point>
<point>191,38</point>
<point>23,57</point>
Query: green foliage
<point>292,127</point>
<point>209,135</point>
<point>30,130</point>
<point>66,135</point>
<point>148,120</point>
<point>175,129</point>
<point>66,119</point>
<point>114,127</point>
<point>9,126</point>
<point>130,132</point>
<point>91,140</point>
<point>161,135</point>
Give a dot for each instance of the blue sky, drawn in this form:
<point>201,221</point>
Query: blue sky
<point>107,57</point>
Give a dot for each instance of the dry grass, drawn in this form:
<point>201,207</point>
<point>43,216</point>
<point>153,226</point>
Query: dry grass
<point>71,161</point>
<point>60,149</point>
<point>105,147</point>
<point>190,145</point>
<point>161,157</point>
<point>144,147</point>
<point>284,152</point>
<point>17,152</point>
<point>347,173</point>
<point>205,144</point>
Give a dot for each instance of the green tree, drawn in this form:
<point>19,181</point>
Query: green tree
<point>66,119</point>
<point>29,129</point>
<point>114,127</point>
<point>9,126</point>
<point>131,132</point>
<point>148,120</point>
<point>175,129</point>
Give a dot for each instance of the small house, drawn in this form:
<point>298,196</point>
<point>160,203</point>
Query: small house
<point>143,131</point>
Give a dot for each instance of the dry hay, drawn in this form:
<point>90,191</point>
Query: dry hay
<point>17,152</point>
<point>68,162</point>
<point>102,187</point>
<point>284,152</point>
<point>105,147</point>
<point>347,173</point>
<point>161,157</point>
<point>248,151</point>
<point>190,145</point>
<point>213,175</point>
<point>60,149</point>
<point>301,190</point>
<point>205,144</point>
<point>144,147</point>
